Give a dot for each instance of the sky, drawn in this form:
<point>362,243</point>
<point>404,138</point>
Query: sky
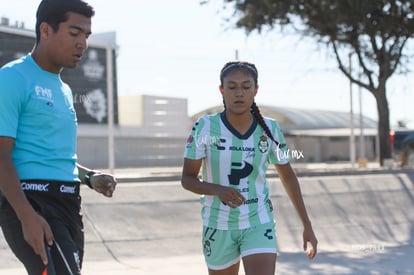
<point>177,49</point>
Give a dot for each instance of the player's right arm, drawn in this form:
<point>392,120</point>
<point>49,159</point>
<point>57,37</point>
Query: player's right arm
<point>191,182</point>
<point>35,229</point>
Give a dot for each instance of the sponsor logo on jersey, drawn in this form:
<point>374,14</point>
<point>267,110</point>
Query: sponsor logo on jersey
<point>190,140</point>
<point>239,171</point>
<point>44,187</point>
<point>251,201</point>
<point>243,190</point>
<point>39,187</point>
<point>241,148</point>
<point>67,189</point>
<point>44,94</point>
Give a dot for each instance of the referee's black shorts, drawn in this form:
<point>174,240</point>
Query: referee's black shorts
<point>60,204</point>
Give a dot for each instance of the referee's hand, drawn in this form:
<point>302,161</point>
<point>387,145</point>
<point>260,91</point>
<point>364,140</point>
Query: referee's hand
<point>37,233</point>
<point>103,183</point>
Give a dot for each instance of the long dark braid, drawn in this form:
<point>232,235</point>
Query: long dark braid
<point>259,118</point>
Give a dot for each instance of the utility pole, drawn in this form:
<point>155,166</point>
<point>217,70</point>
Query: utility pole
<point>351,122</point>
<point>362,159</point>
<point>110,94</point>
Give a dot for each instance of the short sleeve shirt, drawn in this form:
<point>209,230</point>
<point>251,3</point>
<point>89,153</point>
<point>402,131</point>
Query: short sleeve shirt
<point>238,161</point>
<point>36,110</point>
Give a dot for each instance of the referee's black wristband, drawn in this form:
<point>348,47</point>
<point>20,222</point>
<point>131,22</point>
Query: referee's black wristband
<point>87,178</point>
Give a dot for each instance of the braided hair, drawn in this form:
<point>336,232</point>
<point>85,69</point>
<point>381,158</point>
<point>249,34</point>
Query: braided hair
<point>250,69</point>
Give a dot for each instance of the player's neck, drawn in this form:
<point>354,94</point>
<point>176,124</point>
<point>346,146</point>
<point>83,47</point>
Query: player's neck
<point>240,122</point>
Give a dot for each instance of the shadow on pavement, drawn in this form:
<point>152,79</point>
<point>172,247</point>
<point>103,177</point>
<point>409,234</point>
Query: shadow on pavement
<point>363,260</point>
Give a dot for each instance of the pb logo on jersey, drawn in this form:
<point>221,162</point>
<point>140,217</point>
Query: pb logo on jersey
<point>263,144</point>
<point>238,173</point>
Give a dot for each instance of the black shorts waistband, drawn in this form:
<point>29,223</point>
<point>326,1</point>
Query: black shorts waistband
<point>53,187</point>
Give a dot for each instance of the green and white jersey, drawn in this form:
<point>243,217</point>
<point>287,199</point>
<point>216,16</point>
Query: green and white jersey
<point>238,161</point>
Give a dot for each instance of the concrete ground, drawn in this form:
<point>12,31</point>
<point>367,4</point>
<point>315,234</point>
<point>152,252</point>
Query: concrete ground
<point>363,218</point>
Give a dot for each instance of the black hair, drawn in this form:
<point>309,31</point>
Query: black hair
<point>250,69</point>
<point>247,67</point>
<point>54,12</point>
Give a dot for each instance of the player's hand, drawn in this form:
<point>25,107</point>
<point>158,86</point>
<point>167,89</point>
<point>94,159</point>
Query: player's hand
<point>230,196</point>
<point>37,233</point>
<point>309,236</point>
<point>103,183</point>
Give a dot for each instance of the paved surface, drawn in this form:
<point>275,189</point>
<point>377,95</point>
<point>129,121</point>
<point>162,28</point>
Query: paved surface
<point>363,218</point>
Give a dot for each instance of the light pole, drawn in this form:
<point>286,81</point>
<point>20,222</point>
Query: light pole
<point>110,94</point>
<point>351,122</point>
<point>362,158</point>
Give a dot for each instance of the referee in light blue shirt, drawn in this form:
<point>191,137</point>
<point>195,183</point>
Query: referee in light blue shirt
<point>40,203</point>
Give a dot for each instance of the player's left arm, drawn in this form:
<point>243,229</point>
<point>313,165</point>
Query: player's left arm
<point>292,187</point>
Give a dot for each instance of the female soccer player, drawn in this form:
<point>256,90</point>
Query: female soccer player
<point>234,148</point>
